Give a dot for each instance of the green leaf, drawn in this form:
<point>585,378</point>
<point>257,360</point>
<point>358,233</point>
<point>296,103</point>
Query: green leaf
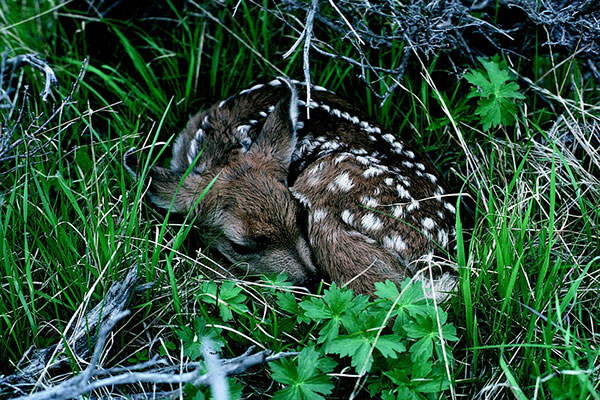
<point>306,378</point>
<point>497,92</point>
<point>408,302</point>
<point>425,329</point>
<point>389,346</point>
<point>287,302</point>
<point>277,280</point>
<point>335,305</point>
<point>192,338</point>
<point>401,393</point>
<point>227,297</point>
<point>358,345</point>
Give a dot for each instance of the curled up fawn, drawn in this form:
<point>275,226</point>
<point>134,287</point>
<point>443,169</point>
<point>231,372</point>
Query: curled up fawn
<point>331,195</point>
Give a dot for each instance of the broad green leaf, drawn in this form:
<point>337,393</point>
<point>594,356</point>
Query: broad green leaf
<point>497,93</point>
<point>192,338</point>
<point>305,378</point>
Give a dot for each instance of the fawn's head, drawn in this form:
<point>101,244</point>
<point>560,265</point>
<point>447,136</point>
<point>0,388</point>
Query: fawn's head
<point>246,203</point>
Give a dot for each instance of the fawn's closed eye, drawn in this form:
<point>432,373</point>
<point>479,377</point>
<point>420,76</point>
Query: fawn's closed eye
<point>243,249</point>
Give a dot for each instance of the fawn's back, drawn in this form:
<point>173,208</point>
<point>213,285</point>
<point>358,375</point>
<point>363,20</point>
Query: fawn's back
<point>373,208</point>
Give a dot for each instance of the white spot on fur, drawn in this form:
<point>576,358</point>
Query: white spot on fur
<point>370,222</point>
<point>344,182</point>
<point>359,152</point>
<point>408,164</point>
<point>372,138</point>
<point>397,147</point>
<point>363,160</point>
<point>275,82</point>
<point>369,202</point>
<point>403,193</point>
<point>394,242</point>
<point>301,197</point>
<point>340,158</point>
<point>432,177</point>
<point>222,103</point>
<point>428,223</point>
<point>330,146</point>
<point>317,168</point>
<point>440,214</point>
<point>253,88</point>
<point>243,129</point>
<point>388,137</point>
<point>263,114</point>
<point>270,109</point>
<point>450,207</point>
<point>404,180</point>
<point>398,212</point>
<point>377,191</point>
<point>372,171</point>
<point>318,215</point>
<point>414,205</point>
<point>443,238</point>
<point>348,217</point>
<point>192,152</point>
<point>389,181</point>
<point>438,193</point>
<point>409,154</point>
<point>420,166</point>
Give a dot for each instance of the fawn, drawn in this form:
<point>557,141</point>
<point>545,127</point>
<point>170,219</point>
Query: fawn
<point>372,208</point>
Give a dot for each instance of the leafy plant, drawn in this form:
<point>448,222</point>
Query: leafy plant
<point>497,92</point>
<point>192,338</point>
<point>305,378</point>
<point>229,298</point>
<point>397,342</point>
<point>335,306</point>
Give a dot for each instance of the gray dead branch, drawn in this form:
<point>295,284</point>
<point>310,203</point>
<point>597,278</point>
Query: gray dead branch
<point>459,30</point>
<point>571,26</point>
<point>8,69</point>
<point>26,135</point>
<point>37,365</point>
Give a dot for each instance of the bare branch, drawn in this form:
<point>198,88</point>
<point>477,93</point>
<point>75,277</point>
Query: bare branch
<point>102,319</point>
<point>32,136</point>
<point>28,59</point>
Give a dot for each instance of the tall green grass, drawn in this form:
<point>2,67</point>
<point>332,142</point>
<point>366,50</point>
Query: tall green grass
<point>72,221</point>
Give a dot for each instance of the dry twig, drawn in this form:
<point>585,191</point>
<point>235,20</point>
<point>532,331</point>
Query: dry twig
<point>102,319</point>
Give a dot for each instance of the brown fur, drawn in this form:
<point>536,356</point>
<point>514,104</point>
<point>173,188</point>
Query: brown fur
<point>376,209</point>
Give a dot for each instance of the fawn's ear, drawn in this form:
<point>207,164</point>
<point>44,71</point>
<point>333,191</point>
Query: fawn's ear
<point>167,188</point>
<point>277,140</point>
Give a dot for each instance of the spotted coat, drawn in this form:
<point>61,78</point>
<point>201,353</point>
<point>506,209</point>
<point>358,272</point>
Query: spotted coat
<point>376,209</point>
